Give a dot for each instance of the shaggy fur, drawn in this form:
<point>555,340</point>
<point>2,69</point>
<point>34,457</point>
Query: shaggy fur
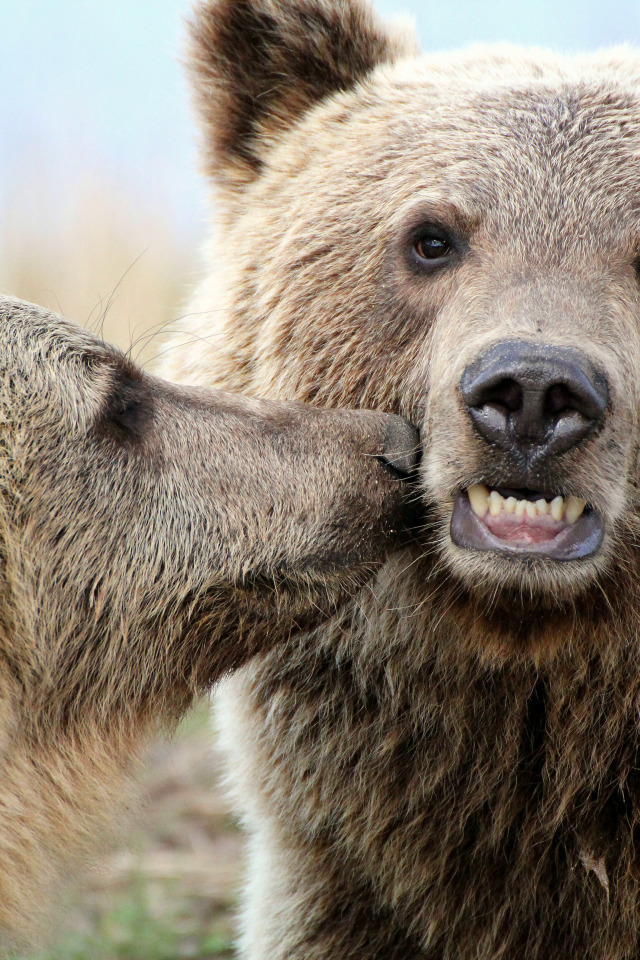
<point>450,770</point>
<point>256,67</point>
<point>152,538</point>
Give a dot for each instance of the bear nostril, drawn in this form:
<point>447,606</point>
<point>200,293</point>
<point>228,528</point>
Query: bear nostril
<point>506,394</point>
<point>579,394</point>
<point>534,399</point>
<point>559,399</point>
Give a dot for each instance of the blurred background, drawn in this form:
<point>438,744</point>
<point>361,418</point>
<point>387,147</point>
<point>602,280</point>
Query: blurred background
<point>100,204</point>
<point>102,216</point>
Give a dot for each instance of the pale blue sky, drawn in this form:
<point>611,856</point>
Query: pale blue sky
<point>96,83</point>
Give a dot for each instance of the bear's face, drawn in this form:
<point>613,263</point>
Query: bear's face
<point>149,531</point>
<point>455,240</point>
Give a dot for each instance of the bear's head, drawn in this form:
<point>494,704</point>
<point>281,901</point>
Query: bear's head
<point>451,237</point>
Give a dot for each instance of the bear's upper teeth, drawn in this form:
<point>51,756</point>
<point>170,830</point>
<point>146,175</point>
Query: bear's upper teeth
<point>481,500</point>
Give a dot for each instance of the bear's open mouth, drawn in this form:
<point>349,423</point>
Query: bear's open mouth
<point>520,522</point>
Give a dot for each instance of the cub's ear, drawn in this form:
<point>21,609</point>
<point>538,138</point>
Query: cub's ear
<point>257,65</point>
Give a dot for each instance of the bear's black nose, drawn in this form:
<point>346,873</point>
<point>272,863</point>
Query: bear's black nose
<point>401,450</point>
<point>534,400</point>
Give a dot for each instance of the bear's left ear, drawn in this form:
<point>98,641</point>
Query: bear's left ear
<point>257,65</point>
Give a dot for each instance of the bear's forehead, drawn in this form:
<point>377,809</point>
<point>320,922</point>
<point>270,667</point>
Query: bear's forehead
<point>545,140</point>
<point>552,145</point>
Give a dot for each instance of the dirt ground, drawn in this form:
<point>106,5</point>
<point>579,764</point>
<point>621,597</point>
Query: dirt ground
<point>169,891</point>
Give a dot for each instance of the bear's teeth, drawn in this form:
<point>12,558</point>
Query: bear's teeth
<point>573,508</point>
<point>483,500</point>
<point>557,508</point>
<point>478,498</point>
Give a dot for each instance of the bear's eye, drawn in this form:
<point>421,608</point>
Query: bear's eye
<point>432,245</point>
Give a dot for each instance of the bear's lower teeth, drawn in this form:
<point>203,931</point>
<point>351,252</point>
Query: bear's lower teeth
<point>484,501</point>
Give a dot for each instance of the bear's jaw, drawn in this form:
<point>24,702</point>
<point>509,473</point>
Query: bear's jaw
<point>522,523</point>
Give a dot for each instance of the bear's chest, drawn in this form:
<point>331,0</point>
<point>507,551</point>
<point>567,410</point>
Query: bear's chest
<point>489,810</point>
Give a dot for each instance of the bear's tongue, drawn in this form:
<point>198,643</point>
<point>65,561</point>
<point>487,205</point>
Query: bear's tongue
<point>523,517</point>
<point>525,530</point>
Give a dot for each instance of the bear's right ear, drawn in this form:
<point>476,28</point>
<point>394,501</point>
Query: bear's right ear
<point>257,65</point>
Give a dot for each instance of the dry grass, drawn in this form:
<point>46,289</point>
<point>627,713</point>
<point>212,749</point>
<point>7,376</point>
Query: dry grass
<point>168,893</point>
<point>96,259</point>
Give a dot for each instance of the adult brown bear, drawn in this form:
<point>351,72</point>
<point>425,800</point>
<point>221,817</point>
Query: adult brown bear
<point>148,533</point>
<point>450,769</point>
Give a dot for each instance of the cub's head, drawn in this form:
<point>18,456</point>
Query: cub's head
<point>451,237</point>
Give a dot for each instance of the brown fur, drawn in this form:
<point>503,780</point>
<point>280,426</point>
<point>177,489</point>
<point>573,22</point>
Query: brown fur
<point>450,769</point>
<point>152,538</point>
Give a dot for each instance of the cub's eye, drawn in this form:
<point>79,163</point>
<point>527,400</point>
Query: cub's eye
<point>432,245</point>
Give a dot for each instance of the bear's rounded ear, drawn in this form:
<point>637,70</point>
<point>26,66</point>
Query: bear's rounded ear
<point>257,65</point>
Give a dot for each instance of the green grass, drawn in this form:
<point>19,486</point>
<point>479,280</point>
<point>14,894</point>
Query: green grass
<point>130,930</point>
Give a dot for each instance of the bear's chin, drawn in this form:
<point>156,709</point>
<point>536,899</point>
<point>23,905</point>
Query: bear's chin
<point>498,609</point>
<point>522,581</point>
